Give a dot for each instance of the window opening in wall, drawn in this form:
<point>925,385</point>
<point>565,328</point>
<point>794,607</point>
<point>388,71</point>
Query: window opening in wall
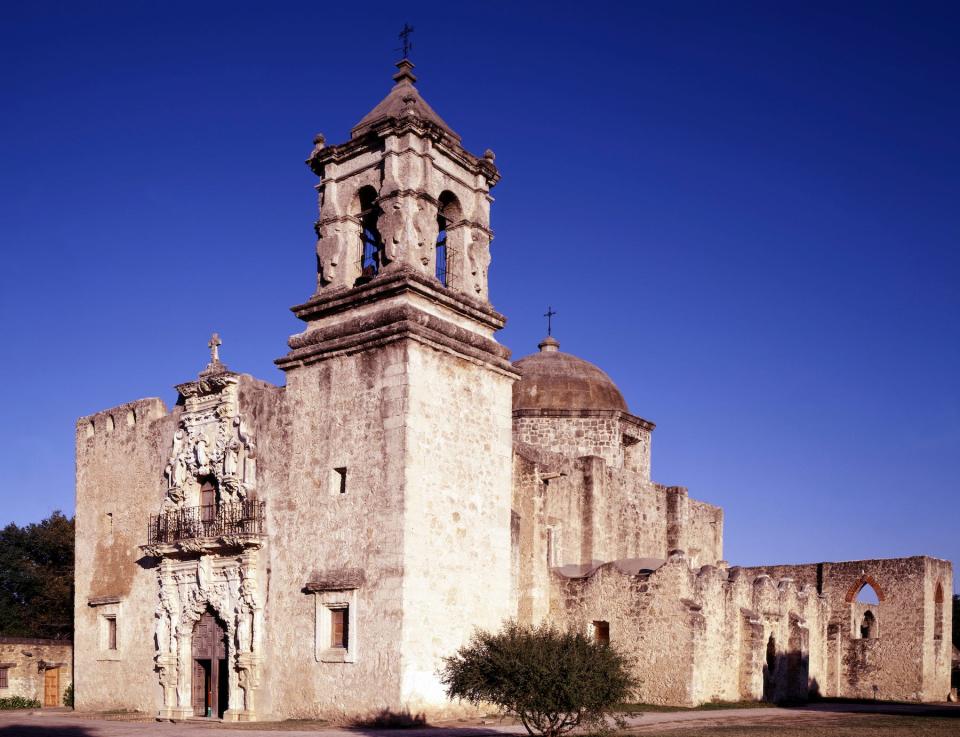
<point>370,241</point>
<point>338,480</point>
<point>4,683</point>
<point>550,544</point>
<point>340,628</point>
<point>868,595</point>
<point>601,632</point>
<point>938,612</point>
<point>111,633</point>
<point>868,626</point>
<point>208,506</point>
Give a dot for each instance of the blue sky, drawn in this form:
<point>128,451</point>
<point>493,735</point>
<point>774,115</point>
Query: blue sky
<point>746,213</point>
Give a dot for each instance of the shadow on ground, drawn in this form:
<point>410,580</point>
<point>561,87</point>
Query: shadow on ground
<point>380,723</point>
<point>44,730</point>
<point>891,708</point>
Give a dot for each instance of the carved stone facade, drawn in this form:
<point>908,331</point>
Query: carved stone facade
<point>341,534</point>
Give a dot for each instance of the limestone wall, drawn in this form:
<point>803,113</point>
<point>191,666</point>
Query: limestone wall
<point>120,455</point>
<point>457,521</point>
<point>346,413</point>
<point>620,443</point>
<point>26,661</point>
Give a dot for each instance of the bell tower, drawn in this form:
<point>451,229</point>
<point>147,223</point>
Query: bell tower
<point>403,192</point>
<point>400,408</point>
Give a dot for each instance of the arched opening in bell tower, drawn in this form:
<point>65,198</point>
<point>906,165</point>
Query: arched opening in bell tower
<point>370,242</point>
<point>448,214</point>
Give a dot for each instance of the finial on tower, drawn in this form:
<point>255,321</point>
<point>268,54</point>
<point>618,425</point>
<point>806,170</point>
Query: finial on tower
<point>405,65</point>
<point>405,37</point>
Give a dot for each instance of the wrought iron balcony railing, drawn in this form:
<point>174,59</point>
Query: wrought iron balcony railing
<point>221,520</point>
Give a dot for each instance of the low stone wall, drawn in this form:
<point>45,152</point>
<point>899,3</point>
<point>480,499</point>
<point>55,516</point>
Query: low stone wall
<point>27,662</point>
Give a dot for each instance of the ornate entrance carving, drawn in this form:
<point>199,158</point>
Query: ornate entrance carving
<point>208,572</point>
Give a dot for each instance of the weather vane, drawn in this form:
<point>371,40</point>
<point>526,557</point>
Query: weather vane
<point>405,37</point>
<point>549,315</point>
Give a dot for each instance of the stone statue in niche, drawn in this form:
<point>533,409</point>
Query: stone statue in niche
<point>392,223</point>
<point>201,455</point>
<point>427,229</point>
<point>478,261</point>
<point>331,253</point>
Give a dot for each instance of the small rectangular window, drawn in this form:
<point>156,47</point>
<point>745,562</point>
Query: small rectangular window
<point>339,628</point>
<point>111,633</point>
<point>601,632</point>
<point>338,480</point>
<point>4,683</point>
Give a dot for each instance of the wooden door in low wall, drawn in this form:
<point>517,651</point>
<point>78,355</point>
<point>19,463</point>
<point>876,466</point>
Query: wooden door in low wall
<point>51,687</point>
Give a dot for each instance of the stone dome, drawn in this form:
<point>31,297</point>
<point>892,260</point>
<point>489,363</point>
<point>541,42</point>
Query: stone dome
<point>553,380</point>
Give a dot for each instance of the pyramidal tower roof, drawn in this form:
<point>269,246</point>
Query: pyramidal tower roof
<point>403,100</point>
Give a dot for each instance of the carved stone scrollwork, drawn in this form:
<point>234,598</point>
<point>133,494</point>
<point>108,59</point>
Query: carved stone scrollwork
<point>212,440</point>
<point>227,586</point>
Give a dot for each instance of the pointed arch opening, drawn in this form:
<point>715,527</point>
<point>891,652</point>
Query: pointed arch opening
<point>863,582</point>
<point>868,595</point>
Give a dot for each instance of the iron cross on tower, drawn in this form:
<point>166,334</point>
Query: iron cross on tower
<point>549,315</point>
<point>405,37</point>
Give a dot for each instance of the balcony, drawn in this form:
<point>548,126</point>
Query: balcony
<point>234,524</point>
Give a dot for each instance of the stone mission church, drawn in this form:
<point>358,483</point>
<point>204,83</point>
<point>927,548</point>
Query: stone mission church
<point>315,549</point>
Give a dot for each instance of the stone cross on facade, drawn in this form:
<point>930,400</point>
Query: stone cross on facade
<point>214,346</point>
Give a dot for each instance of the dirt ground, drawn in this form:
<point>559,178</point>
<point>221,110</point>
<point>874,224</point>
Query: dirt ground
<point>820,720</point>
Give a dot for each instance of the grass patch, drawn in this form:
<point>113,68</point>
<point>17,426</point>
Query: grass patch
<point>637,708</point>
<point>884,726</point>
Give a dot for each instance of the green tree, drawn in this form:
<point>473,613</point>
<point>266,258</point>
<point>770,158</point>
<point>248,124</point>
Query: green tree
<point>36,578</point>
<point>551,680</point>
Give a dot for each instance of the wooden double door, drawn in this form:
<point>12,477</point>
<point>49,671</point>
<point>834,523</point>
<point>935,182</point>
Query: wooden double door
<point>210,686</point>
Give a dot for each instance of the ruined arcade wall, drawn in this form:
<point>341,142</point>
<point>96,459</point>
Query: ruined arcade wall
<point>904,661</point>
<point>701,635</point>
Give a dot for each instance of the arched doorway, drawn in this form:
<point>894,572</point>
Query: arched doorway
<point>769,670</point>
<point>210,687</point>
